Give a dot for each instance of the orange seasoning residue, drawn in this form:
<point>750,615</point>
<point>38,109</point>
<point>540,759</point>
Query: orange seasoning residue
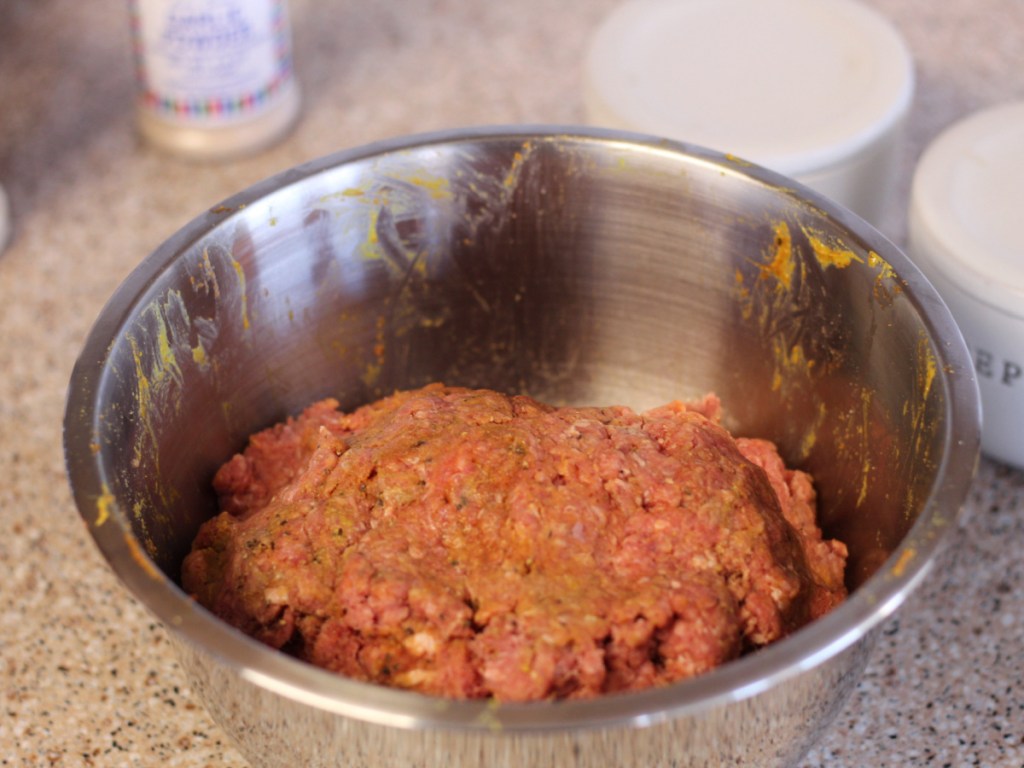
<point>885,270</point>
<point>437,187</point>
<point>887,283</point>
<point>810,436</point>
<point>373,370</point>
<point>199,356</point>
<point>512,177</point>
<point>831,255</point>
<point>780,264</point>
<point>488,716</point>
<point>369,250</point>
<point>140,557</point>
<point>746,302</point>
<point>904,560</point>
<point>206,281</point>
<point>378,347</point>
<point>167,364</point>
<point>738,160</point>
<point>240,271</point>
<point>776,271</point>
<point>142,381</point>
<point>865,452</point>
<point>744,291</point>
<point>916,410</point>
<point>104,505</point>
<point>791,361</point>
<point>928,368</point>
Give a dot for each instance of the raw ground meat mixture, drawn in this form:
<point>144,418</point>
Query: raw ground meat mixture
<point>465,543</point>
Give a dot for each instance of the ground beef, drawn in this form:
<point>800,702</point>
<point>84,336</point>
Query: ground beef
<point>465,543</point>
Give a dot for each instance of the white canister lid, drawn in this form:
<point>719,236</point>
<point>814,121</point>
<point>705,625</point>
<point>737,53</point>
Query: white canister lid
<point>965,207</point>
<point>804,87</point>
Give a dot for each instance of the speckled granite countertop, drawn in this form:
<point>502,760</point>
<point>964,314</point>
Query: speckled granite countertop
<point>88,678</point>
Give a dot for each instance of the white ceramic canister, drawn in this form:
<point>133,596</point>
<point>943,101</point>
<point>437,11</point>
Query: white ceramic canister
<point>814,89</point>
<point>215,77</point>
<point>966,233</point>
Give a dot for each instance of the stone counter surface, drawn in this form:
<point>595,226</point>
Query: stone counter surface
<point>87,678</point>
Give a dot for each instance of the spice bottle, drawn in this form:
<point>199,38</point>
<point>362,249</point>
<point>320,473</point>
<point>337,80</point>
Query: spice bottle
<point>214,77</point>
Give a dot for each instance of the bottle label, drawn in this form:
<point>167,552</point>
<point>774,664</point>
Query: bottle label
<point>211,62</point>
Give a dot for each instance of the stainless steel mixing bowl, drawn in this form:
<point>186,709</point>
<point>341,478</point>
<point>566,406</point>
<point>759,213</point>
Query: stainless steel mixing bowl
<point>576,265</point>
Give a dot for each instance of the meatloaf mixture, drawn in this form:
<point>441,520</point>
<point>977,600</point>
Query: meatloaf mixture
<point>465,543</point>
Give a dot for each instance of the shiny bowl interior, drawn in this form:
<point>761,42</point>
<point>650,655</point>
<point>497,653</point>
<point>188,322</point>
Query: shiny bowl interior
<point>579,266</point>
